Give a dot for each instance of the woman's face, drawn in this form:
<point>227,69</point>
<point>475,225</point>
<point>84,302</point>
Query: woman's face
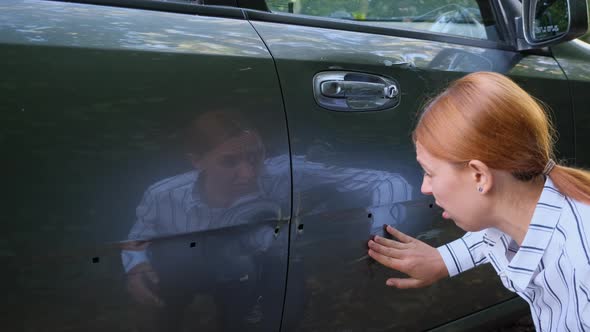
<point>232,168</point>
<point>455,189</point>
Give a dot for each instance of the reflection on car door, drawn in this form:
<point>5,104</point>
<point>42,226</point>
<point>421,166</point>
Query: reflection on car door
<point>332,285</point>
<point>149,183</point>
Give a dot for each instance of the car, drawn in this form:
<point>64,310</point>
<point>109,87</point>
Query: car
<point>221,164</point>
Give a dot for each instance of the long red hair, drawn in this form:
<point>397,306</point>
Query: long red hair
<point>488,117</point>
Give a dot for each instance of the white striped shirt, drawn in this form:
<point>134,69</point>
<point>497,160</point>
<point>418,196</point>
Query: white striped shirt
<point>550,270</point>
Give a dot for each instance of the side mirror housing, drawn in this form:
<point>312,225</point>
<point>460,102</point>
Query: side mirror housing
<point>549,22</point>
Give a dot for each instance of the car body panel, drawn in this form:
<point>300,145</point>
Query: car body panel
<point>98,110</point>
<point>573,58</point>
<point>342,288</point>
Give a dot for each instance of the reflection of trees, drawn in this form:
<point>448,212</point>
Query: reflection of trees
<point>361,9</point>
<point>537,66</point>
<point>345,46</point>
<point>551,18</point>
<point>449,17</point>
<point>108,27</point>
<point>573,57</point>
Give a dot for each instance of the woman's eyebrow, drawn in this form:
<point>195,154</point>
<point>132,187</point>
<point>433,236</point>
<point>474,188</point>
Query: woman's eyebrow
<point>419,162</point>
<point>422,165</point>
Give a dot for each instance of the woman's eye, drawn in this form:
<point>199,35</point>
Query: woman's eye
<point>229,161</point>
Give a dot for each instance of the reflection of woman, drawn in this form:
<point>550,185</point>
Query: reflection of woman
<point>222,192</point>
<point>486,148</point>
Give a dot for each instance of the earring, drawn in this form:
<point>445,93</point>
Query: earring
<point>480,189</point>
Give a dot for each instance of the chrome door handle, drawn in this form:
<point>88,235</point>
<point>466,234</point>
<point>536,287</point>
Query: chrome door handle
<point>351,91</point>
<point>343,89</point>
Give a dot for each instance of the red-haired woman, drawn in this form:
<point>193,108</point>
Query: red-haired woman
<point>486,147</point>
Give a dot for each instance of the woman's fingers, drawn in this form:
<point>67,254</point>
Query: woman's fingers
<point>404,283</point>
<point>399,235</point>
<point>389,243</point>
<point>388,261</point>
<point>386,250</point>
<point>421,262</point>
<point>141,292</point>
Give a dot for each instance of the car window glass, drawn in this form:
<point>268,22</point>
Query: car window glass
<point>453,17</point>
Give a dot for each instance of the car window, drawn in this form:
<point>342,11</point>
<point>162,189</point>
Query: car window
<point>468,18</point>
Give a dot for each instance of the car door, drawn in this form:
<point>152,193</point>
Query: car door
<point>146,169</point>
<point>573,58</point>
<point>353,76</point>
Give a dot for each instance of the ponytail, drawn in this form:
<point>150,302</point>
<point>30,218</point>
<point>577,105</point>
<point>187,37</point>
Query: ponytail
<point>572,182</point>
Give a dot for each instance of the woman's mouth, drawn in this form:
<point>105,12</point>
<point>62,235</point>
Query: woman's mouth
<point>445,214</point>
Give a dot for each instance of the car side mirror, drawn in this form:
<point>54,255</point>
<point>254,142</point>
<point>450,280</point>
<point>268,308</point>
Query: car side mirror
<point>548,22</point>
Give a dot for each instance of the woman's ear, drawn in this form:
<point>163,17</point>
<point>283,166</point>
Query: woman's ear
<point>482,176</point>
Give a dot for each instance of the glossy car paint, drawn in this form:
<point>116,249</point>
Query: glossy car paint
<point>343,289</point>
<point>573,58</point>
<point>97,105</point>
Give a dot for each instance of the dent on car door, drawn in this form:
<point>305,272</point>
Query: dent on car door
<point>364,169</point>
<point>146,178</point>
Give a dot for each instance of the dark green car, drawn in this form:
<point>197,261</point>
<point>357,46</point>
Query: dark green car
<point>220,165</point>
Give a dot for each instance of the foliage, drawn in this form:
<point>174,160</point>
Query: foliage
<point>586,37</point>
<point>360,9</point>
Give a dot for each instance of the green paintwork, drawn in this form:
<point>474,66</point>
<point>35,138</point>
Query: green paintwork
<point>488,319</point>
<point>95,101</point>
<point>573,57</point>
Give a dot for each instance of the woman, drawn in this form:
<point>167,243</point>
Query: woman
<point>486,148</point>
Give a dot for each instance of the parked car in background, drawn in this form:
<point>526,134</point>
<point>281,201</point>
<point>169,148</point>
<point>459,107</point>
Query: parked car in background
<point>220,165</point>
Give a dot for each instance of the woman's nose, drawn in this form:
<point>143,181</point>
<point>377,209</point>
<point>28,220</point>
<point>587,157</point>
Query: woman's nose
<point>246,170</point>
<point>426,188</point>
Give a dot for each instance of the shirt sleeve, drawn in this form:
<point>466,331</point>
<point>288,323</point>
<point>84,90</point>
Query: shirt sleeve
<point>384,187</point>
<point>464,253</point>
<point>583,295</point>
<point>132,258</point>
<point>144,228</point>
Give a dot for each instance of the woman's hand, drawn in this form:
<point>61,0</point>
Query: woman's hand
<point>422,263</point>
<point>142,282</point>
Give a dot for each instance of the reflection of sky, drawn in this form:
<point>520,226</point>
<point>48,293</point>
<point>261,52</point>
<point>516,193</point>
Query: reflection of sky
<point>78,25</point>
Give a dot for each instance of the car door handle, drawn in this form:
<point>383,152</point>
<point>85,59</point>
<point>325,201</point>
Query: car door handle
<point>347,89</point>
<point>352,91</point>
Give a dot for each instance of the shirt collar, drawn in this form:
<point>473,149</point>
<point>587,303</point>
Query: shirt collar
<point>524,265</point>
